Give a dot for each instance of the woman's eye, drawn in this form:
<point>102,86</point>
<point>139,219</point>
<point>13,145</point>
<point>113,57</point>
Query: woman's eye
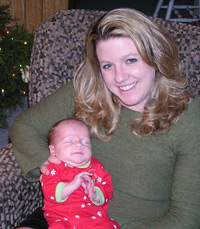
<point>131,60</point>
<point>106,66</point>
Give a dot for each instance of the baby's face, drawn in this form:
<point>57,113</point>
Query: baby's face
<point>72,144</point>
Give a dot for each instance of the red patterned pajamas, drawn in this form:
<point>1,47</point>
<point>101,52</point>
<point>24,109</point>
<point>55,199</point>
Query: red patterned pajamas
<point>77,211</point>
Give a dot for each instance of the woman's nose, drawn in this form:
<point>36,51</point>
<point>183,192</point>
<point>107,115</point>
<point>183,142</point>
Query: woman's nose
<point>119,74</point>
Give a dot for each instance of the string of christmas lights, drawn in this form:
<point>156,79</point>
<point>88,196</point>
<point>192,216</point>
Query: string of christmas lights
<point>23,71</point>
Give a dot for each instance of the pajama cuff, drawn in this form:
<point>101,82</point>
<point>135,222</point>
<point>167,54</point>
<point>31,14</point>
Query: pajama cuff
<point>59,189</point>
<point>101,196</point>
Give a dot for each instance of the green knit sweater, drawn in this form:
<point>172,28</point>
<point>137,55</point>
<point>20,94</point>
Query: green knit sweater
<point>156,178</point>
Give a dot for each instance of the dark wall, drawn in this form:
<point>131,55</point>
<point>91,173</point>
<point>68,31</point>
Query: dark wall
<point>146,6</point>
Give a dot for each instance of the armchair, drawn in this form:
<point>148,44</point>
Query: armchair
<point>59,48</point>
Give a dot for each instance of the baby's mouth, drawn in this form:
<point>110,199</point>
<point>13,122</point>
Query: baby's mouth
<point>78,153</point>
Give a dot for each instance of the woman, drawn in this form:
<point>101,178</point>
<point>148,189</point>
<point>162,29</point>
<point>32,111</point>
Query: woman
<point>131,93</point>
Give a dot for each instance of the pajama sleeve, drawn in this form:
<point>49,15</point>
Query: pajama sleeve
<point>103,181</point>
<point>52,184</point>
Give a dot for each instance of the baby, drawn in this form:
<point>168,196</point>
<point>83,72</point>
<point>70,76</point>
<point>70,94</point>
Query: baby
<point>77,191</point>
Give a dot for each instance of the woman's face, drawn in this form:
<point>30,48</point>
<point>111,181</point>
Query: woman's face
<point>124,72</point>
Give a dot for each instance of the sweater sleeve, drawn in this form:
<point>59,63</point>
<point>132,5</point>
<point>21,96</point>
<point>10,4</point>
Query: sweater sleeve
<point>30,130</point>
<point>184,206</point>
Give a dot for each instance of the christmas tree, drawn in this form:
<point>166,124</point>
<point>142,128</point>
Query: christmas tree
<point>15,51</point>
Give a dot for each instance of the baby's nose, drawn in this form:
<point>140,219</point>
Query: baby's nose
<point>78,144</point>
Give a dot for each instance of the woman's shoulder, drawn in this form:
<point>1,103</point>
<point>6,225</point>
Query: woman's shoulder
<point>62,95</point>
<point>190,120</point>
<point>185,133</point>
<point>195,100</point>
<point>193,108</point>
<point>67,88</point>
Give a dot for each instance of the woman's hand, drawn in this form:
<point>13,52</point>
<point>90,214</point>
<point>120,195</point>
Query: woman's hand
<point>44,167</point>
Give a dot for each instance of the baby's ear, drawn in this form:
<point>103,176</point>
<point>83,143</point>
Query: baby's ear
<point>52,150</point>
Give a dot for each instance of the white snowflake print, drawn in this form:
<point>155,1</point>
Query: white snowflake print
<point>99,214</point>
<point>52,198</point>
<point>103,183</point>
<point>89,204</point>
<point>47,214</point>
<point>66,219</point>
<point>99,179</point>
<point>82,205</point>
<point>106,200</point>
<point>85,197</point>
<point>58,220</point>
<point>65,164</point>
<point>115,226</point>
<point>53,172</point>
<point>94,217</point>
<point>77,216</point>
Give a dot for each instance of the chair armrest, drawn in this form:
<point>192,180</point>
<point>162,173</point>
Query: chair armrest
<point>19,198</point>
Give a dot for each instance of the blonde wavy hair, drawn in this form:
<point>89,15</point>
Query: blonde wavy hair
<point>100,109</point>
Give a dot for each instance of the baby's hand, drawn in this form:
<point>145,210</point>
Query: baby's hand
<point>92,194</point>
<point>79,180</point>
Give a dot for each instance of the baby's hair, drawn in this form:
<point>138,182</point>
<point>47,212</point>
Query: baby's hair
<point>53,128</point>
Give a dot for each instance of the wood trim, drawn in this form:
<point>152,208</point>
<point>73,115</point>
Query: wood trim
<point>31,13</point>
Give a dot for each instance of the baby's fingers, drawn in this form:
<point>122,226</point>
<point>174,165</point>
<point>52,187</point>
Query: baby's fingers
<point>85,176</point>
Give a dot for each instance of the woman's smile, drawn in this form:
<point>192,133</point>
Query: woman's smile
<point>128,87</point>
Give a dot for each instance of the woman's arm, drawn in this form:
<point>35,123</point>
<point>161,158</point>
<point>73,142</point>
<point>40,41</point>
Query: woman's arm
<point>30,130</point>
